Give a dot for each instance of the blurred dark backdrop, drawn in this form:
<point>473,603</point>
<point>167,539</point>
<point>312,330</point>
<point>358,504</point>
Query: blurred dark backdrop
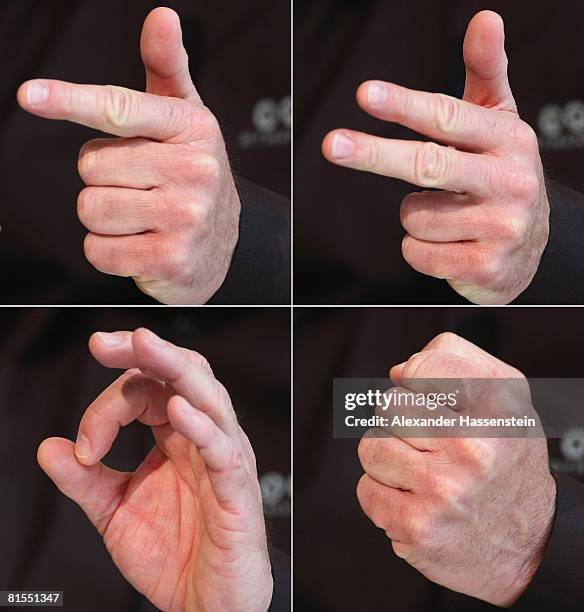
<point>347,230</point>
<point>47,380</point>
<point>342,562</point>
<point>240,61</point>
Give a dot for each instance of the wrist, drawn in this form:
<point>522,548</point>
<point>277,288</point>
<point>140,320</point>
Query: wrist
<point>523,570</point>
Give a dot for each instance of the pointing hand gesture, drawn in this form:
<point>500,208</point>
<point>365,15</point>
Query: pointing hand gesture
<point>486,229</point>
<point>160,203</point>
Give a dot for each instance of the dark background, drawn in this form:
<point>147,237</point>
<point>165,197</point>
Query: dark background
<point>347,230</point>
<point>47,380</point>
<point>342,562</point>
<point>240,61</point>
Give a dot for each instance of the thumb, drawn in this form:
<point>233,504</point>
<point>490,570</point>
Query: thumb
<point>164,56</point>
<point>486,63</point>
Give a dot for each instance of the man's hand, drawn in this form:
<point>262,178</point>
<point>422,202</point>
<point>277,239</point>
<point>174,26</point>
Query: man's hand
<point>160,202</point>
<point>186,528</point>
<point>486,231</point>
<point>470,514</point>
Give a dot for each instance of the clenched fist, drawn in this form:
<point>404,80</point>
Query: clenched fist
<point>160,203</point>
<point>486,228</point>
<point>186,528</point>
<point>471,514</point>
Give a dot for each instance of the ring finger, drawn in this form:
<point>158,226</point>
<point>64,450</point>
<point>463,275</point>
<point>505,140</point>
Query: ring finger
<point>442,216</point>
<point>117,211</point>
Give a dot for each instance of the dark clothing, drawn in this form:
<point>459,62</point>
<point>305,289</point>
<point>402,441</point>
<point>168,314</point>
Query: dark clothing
<point>558,582</point>
<point>240,61</point>
<point>281,599</point>
<point>560,277</point>
<point>260,268</point>
<point>347,233</point>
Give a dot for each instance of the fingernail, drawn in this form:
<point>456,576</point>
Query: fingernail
<point>82,446</point>
<point>112,339</point>
<point>343,146</point>
<point>376,94</point>
<point>37,93</point>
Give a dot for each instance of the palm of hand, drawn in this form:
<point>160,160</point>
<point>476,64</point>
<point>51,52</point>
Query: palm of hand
<point>168,532</point>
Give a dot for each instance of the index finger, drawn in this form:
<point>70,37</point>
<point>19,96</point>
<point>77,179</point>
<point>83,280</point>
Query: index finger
<point>186,371</point>
<point>108,108</point>
<point>131,397</point>
<point>444,118</point>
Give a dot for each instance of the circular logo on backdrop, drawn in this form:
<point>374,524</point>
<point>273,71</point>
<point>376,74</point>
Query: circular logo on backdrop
<point>572,444</point>
<point>561,127</point>
<point>276,493</point>
<point>271,121</point>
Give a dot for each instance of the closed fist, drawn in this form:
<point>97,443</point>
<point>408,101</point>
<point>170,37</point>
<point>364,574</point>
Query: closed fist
<point>471,514</point>
<point>160,203</point>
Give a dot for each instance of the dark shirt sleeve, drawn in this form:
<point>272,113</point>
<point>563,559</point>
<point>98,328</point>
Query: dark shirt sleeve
<point>560,277</point>
<point>260,268</point>
<point>559,581</point>
<point>281,573</point>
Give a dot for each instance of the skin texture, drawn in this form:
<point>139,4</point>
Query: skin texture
<point>160,203</point>
<point>186,528</point>
<point>486,229</point>
<point>471,514</point>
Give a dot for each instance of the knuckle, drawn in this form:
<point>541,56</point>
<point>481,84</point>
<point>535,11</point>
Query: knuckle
<point>221,395</point>
<point>118,106</point>
<point>487,268</point>
<point>445,340</point>
<point>207,123</point>
<point>400,549</point>
<point>172,257</point>
<point>364,493</point>
<point>415,366</point>
<point>374,154</point>
<point>526,186</point>
<point>480,454</point>
<point>431,164</point>
<point>409,249</point>
<point>184,161</point>
<point>363,451</point>
<point>513,229</point>
<point>236,461</point>
<point>447,113</point>
<point>208,169</point>
<point>87,162</point>
<point>184,214</point>
<point>408,210</point>
<point>93,253</point>
<point>524,135</point>
<point>249,453</point>
<point>85,205</point>
<point>417,529</point>
<point>201,361</point>
<point>440,488</point>
<point>203,168</point>
<point>196,120</point>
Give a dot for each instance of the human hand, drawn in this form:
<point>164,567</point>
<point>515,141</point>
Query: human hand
<point>160,203</point>
<point>471,514</point>
<point>486,230</point>
<point>186,528</point>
